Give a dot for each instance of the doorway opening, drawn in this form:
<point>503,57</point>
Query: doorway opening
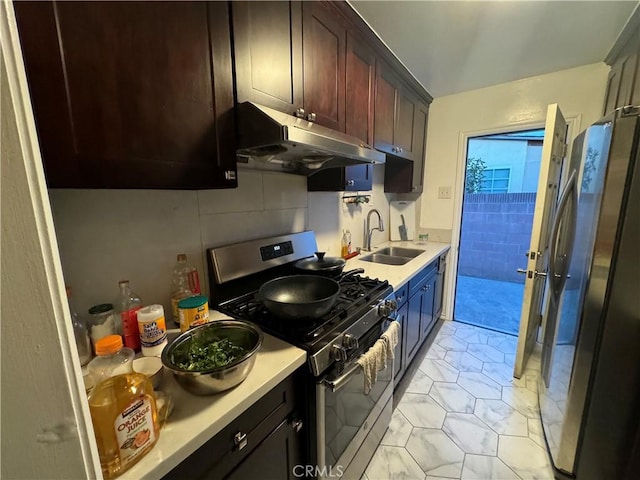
<point>501,180</point>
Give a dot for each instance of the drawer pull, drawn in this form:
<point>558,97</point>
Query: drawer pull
<point>240,439</point>
<point>297,425</point>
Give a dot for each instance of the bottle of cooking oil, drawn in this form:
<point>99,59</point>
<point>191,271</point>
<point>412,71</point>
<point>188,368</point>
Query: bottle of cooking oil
<point>125,421</point>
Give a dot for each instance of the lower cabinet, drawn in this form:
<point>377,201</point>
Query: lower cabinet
<point>419,306</point>
<point>266,441</point>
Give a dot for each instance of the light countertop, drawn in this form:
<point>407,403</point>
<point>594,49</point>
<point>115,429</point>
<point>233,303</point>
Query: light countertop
<point>196,419</point>
<point>398,275</point>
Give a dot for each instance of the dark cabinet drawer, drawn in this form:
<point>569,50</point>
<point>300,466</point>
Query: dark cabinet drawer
<point>224,452</point>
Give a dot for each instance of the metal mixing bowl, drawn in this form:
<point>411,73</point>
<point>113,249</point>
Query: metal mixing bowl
<point>240,333</point>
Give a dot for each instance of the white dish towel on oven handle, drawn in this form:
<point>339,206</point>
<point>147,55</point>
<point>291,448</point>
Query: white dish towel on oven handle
<point>375,359</point>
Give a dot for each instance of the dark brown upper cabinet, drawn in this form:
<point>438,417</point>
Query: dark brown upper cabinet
<point>395,115</point>
<point>324,66</point>
<point>359,92</point>
<point>267,40</point>
<point>360,89</point>
<point>131,94</point>
<point>623,85</point>
<point>420,145</point>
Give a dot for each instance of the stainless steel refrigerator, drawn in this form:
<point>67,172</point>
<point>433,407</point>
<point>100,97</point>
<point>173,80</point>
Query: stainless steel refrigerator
<point>590,384</point>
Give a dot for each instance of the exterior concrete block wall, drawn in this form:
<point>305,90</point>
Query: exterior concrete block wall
<point>496,229</point>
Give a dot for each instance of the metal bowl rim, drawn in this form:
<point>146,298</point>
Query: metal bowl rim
<point>216,323</point>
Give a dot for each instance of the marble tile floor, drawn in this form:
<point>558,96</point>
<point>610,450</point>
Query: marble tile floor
<point>464,416</point>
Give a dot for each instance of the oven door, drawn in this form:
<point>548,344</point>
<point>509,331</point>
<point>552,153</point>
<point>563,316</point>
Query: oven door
<point>351,424</point>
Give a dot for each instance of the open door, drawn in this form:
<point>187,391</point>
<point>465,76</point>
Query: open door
<point>46,425</point>
<point>553,150</point>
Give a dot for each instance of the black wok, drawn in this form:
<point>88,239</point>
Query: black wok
<point>299,296</point>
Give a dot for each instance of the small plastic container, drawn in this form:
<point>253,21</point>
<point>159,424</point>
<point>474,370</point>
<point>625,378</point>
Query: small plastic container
<point>153,330</point>
<point>112,359</point>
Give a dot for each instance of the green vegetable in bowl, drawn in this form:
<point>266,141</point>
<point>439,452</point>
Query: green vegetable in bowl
<point>214,354</point>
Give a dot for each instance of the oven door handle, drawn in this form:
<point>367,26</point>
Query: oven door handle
<point>342,380</point>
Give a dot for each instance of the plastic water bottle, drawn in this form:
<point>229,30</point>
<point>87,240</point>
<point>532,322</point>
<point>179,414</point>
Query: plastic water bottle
<point>185,283</point>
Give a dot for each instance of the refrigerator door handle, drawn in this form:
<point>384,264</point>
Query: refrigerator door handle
<point>558,278</point>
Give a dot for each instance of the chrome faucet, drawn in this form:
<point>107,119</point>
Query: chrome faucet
<point>369,231</point>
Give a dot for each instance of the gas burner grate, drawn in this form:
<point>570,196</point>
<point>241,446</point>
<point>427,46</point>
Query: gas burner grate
<point>355,293</point>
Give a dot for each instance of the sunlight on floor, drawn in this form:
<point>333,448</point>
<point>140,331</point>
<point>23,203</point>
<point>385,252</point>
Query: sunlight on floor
<point>489,303</point>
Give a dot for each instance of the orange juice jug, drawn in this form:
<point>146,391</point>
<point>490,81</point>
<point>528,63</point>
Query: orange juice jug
<point>125,421</point>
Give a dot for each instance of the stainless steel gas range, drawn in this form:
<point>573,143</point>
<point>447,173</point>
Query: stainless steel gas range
<point>347,424</point>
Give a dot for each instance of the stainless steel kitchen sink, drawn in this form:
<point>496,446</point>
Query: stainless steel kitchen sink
<point>386,259</point>
<point>400,252</point>
<point>393,255</point>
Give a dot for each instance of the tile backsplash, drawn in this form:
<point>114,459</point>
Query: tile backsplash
<point>108,235</point>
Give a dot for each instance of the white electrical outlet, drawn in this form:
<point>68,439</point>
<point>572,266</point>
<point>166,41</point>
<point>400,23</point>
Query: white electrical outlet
<point>444,192</point>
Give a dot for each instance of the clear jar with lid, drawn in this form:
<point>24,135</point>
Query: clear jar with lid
<point>102,322</point>
<point>112,359</point>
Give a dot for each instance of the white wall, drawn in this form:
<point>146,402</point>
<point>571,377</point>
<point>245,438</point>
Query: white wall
<point>514,105</point>
<point>109,235</point>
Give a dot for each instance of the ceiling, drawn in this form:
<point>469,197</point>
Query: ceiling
<point>455,46</point>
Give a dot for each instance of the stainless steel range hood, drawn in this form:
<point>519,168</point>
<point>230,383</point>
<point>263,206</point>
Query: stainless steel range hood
<point>274,140</point>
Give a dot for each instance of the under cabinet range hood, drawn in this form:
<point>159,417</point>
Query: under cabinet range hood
<point>272,140</point>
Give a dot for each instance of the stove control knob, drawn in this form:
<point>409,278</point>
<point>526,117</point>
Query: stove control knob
<point>387,308</point>
<point>338,353</point>
<point>349,341</point>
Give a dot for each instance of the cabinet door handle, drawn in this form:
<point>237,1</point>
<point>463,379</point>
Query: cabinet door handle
<point>297,425</point>
<point>424,288</point>
<point>240,439</point>
<point>311,117</point>
<point>351,183</point>
<point>299,113</point>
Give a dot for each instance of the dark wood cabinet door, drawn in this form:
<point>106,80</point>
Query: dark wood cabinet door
<point>427,318</point>
<point>412,329</point>
<point>420,146</point>
<point>613,89</point>
<point>399,364</point>
<point>268,53</point>
<point>275,457</point>
<point>324,66</point>
<point>385,108</point>
<point>131,94</point>
<point>405,125</point>
<point>360,85</point>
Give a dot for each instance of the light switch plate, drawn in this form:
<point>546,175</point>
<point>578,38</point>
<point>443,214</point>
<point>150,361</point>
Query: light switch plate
<point>444,192</point>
